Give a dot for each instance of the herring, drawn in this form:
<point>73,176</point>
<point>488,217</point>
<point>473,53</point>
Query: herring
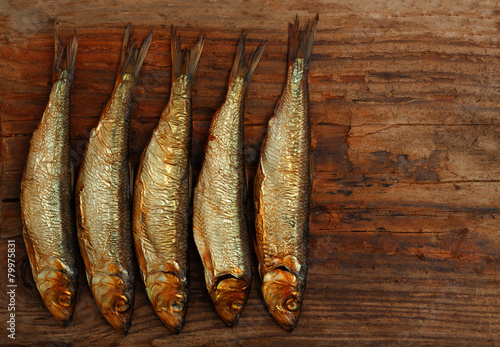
<point>282,188</point>
<point>220,227</point>
<point>103,196</point>
<point>162,195</point>
<point>46,193</point>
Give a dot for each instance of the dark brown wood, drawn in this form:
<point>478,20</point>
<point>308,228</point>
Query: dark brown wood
<point>405,239</point>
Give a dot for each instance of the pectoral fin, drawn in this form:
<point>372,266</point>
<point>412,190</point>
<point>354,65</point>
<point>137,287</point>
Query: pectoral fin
<point>72,175</point>
<point>190,181</point>
<point>311,168</point>
<point>30,249</point>
<point>131,179</point>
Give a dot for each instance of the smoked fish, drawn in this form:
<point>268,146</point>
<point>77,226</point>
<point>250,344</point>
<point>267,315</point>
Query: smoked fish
<point>220,197</point>
<point>103,196</point>
<point>162,195</point>
<point>46,193</point>
<point>282,187</point>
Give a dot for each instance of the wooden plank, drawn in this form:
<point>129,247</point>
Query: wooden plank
<point>473,155</point>
<point>405,126</point>
<point>434,286</point>
<point>363,150</point>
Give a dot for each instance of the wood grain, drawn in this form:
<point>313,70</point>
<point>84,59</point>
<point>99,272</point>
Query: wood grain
<point>405,239</point>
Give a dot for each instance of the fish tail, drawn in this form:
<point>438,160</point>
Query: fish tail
<point>132,56</point>
<point>185,61</point>
<point>301,41</point>
<point>64,55</point>
<point>244,67</point>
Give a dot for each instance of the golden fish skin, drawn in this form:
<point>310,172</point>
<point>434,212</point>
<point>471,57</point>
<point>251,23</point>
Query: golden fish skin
<point>283,187</point>
<point>162,196</point>
<point>103,197</point>
<point>46,194</point>
<point>220,220</point>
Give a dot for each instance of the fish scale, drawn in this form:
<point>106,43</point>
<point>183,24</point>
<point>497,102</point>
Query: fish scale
<point>162,196</point>
<point>103,196</point>
<point>283,186</point>
<point>222,208</point>
<point>46,194</point>
<point>219,218</point>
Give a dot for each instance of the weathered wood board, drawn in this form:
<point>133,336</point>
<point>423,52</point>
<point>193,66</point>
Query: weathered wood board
<point>405,212</point>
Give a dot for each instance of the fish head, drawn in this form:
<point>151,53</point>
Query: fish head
<point>58,291</point>
<point>283,296</point>
<point>169,296</point>
<point>230,297</point>
<point>115,300</point>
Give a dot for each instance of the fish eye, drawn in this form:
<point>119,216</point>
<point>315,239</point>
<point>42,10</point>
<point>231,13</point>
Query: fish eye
<point>238,304</point>
<point>121,305</point>
<point>292,304</point>
<point>176,305</point>
<point>64,300</point>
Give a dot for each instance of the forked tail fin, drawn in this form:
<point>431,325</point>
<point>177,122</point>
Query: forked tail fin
<point>132,56</point>
<point>64,55</point>
<point>301,41</point>
<point>242,66</point>
<point>185,61</point>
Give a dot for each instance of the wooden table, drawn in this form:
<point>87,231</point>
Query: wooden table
<point>405,239</point>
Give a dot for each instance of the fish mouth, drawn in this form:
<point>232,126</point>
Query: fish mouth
<point>168,294</point>
<point>120,320</point>
<point>58,295</point>
<point>285,320</point>
<point>230,298</point>
<point>175,322</point>
<point>117,309</point>
<point>171,307</point>
<point>63,314</point>
<point>229,316</point>
<point>283,296</point>
<point>115,299</point>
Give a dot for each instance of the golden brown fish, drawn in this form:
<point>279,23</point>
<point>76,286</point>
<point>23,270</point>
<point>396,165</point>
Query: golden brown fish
<point>103,197</point>
<point>283,187</point>
<point>220,220</point>
<point>162,196</point>
<point>46,193</point>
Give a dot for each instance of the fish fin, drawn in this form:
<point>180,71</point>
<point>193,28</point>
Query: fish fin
<point>246,177</point>
<point>260,261</point>
<point>64,55</point>
<point>263,144</point>
<point>311,168</point>
<point>190,181</point>
<point>30,249</point>
<point>292,264</point>
<point>185,61</point>
<point>132,57</point>
<point>140,256</point>
<point>131,179</point>
<point>72,175</point>
<point>242,66</point>
<point>245,188</point>
<point>301,41</point>
<point>206,257</point>
<point>126,48</point>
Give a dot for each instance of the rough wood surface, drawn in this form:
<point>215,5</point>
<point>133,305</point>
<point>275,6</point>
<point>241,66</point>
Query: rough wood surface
<point>405,239</point>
